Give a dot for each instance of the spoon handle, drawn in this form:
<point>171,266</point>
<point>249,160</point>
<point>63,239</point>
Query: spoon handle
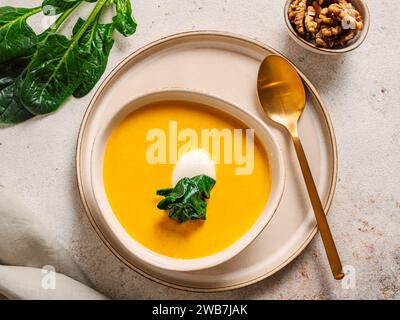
<point>327,239</point>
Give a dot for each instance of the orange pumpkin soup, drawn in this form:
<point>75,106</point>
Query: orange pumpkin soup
<point>131,182</point>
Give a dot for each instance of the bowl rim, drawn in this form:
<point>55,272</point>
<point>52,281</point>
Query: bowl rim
<point>354,45</point>
<point>174,264</point>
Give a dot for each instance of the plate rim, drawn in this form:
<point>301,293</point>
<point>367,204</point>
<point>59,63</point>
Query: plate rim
<point>113,73</point>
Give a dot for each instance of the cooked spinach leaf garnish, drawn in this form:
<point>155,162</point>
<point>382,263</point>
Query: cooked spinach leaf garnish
<point>187,200</point>
<point>50,67</point>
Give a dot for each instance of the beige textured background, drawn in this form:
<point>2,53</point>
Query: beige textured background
<point>362,91</point>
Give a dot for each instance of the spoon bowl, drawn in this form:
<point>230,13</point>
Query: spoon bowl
<point>281,91</point>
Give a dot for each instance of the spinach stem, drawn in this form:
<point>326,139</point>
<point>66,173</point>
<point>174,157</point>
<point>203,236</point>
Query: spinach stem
<point>34,11</point>
<point>60,20</point>
<point>96,11</point>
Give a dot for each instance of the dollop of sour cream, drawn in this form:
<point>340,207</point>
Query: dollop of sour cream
<point>193,163</point>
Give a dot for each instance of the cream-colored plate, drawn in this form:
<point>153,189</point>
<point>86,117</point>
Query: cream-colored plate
<point>226,66</point>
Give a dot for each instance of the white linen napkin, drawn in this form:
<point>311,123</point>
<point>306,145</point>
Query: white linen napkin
<point>26,247</point>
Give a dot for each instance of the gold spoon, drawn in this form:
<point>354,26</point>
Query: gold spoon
<point>283,99</point>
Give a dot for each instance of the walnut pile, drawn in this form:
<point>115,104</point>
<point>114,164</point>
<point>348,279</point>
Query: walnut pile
<point>327,23</point>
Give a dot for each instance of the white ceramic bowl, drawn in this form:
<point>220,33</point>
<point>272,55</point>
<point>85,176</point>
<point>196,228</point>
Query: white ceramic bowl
<point>117,230</point>
<point>360,5</point>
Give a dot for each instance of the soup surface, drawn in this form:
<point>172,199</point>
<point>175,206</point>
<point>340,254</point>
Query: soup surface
<point>131,183</point>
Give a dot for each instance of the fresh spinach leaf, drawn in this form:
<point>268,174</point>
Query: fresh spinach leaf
<point>12,110</point>
<point>17,39</point>
<point>54,73</point>
<point>123,20</point>
<point>59,67</point>
<point>54,7</point>
<point>95,46</point>
<point>187,200</point>
<point>14,67</point>
<point>12,73</point>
